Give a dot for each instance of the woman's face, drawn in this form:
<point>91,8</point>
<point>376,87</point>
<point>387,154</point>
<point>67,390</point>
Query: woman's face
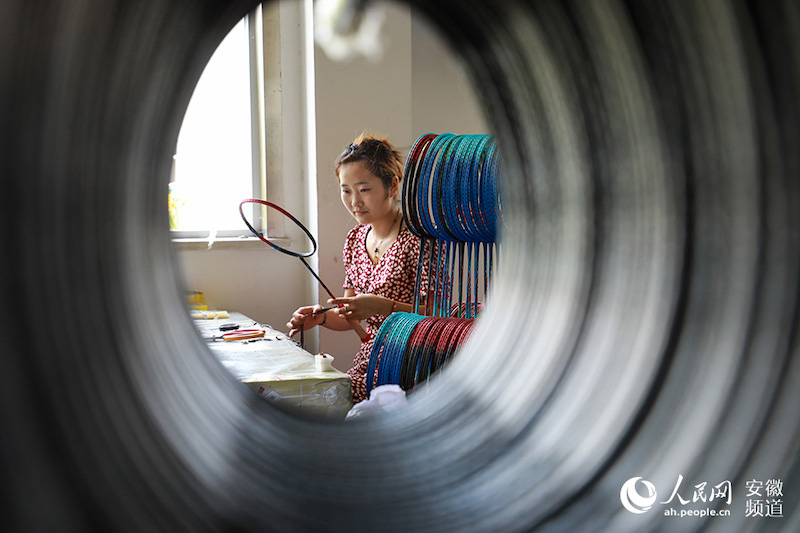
<point>363,193</point>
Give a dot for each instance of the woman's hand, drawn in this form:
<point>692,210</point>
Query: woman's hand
<point>306,318</point>
<point>361,306</point>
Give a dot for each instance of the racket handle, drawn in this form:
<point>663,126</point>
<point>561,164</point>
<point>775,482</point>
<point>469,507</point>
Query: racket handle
<point>358,328</point>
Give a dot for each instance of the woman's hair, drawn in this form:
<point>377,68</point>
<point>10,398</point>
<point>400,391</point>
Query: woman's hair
<point>378,154</point>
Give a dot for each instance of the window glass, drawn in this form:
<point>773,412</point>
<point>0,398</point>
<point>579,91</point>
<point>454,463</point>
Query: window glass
<point>213,164</point>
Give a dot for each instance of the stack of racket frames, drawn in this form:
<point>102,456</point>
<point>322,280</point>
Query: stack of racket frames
<point>451,201</point>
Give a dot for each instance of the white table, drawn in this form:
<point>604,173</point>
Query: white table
<point>276,368</point>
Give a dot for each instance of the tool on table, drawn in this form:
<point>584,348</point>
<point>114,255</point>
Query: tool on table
<point>233,332</point>
<point>243,334</point>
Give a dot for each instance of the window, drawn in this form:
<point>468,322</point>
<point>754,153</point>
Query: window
<point>255,97</point>
<point>220,154</point>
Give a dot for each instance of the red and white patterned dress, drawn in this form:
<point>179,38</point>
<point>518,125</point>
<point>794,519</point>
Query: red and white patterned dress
<point>393,277</point>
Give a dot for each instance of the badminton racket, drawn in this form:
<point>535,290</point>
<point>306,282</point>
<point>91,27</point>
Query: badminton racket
<point>357,327</point>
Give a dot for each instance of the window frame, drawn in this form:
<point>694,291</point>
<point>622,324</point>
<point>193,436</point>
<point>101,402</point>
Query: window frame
<point>281,64</point>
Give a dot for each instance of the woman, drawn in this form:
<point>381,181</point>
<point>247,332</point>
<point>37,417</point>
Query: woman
<point>380,253</point>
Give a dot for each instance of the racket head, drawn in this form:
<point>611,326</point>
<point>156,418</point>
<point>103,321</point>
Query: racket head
<point>288,215</point>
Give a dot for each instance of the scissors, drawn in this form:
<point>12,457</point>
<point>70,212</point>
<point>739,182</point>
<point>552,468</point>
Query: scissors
<point>240,334</point>
<point>243,334</point>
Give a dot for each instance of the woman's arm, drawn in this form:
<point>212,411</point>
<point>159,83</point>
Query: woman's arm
<point>333,319</point>
<point>308,317</point>
<point>305,318</point>
<point>363,306</point>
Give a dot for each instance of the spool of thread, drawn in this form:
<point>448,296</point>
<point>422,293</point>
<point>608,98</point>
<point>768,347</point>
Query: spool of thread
<point>323,362</point>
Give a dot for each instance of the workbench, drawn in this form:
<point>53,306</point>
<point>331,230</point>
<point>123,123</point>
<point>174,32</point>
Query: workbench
<point>275,367</point>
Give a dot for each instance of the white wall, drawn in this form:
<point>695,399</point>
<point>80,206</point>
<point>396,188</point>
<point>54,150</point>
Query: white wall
<point>442,99</point>
<point>250,278</point>
<point>415,89</point>
<point>352,97</point>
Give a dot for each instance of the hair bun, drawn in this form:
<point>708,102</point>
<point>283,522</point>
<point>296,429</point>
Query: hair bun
<point>377,153</point>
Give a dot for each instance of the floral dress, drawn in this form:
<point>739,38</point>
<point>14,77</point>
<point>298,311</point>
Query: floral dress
<point>393,277</point>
